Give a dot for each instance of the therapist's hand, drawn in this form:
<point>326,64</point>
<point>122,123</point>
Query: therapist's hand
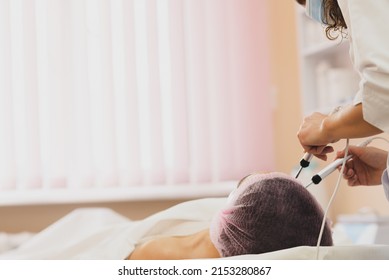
<point>312,138</point>
<point>365,167</point>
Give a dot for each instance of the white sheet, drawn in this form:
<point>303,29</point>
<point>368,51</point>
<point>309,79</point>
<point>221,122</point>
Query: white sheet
<point>9,241</point>
<point>351,252</point>
<point>100,233</point>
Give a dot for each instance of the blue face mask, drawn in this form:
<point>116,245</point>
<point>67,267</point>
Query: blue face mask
<point>315,10</point>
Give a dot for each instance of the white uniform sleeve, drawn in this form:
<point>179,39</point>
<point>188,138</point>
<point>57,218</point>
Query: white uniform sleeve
<point>368,27</point>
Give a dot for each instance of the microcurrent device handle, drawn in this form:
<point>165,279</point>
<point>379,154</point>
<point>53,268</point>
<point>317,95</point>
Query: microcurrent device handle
<point>328,170</point>
<point>304,162</point>
<point>316,179</point>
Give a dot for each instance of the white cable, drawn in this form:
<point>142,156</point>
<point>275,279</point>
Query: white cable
<point>363,144</point>
<point>331,200</point>
<point>375,138</point>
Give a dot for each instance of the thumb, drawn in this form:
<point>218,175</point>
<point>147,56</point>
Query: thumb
<point>339,154</point>
<point>352,150</point>
<point>356,150</point>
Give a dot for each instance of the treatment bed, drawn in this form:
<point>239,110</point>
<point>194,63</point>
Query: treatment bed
<point>100,233</point>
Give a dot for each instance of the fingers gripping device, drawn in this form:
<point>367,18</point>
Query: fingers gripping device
<point>317,178</point>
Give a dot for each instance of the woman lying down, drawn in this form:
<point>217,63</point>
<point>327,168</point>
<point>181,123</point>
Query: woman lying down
<point>265,213</point>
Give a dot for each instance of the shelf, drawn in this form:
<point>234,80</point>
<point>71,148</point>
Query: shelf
<point>99,195</point>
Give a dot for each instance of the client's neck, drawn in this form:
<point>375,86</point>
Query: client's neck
<point>199,245</point>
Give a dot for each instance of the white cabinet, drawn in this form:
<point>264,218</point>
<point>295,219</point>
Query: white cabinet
<point>327,76</point>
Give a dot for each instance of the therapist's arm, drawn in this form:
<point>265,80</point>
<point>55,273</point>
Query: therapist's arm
<point>319,130</point>
<point>347,123</point>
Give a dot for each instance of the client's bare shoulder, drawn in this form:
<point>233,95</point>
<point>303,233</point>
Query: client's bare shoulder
<point>176,247</point>
<point>156,249</point>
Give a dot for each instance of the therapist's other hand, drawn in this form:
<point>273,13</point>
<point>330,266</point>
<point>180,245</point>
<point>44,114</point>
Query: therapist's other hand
<point>365,167</point>
<point>312,138</point>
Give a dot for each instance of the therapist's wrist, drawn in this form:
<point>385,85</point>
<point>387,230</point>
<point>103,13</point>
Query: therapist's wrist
<point>346,122</point>
<point>328,129</point>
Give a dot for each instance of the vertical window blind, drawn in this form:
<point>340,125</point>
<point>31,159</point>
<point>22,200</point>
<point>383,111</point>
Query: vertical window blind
<point>121,93</point>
